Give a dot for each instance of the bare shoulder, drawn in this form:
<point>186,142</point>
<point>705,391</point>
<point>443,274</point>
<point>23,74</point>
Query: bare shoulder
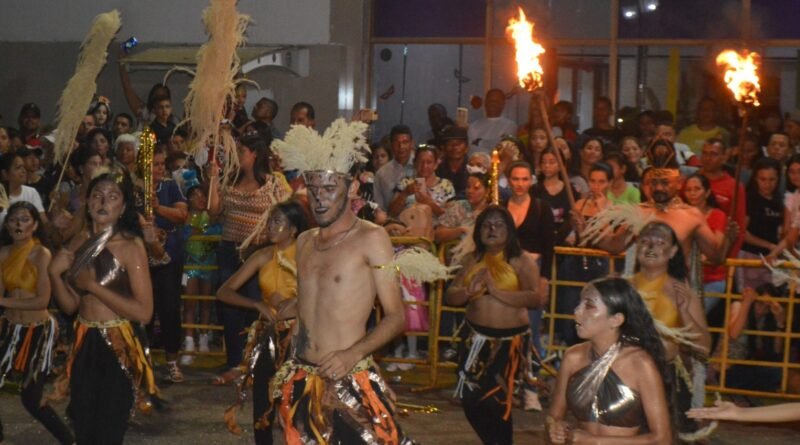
<point>694,213</point>
<point>634,354</point>
<point>373,232</point>
<point>39,253</point>
<point>641,366</point>
<point>4,252</point>
<point>304,237</point>
<point>126,246</point>
<point>262,255</point>
<point>526,261</point>
<point>574,357</point>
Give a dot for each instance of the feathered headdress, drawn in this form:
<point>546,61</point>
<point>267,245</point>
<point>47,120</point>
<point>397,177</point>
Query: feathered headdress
<point>341,146</point>
<point>77,96</point>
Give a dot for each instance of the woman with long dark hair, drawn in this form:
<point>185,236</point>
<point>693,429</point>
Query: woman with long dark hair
<point>615,383</point>
<point>763,221</point>
<point>27,330</point>
<point>275,267</point>
<point>102,275</point>
<point>662,280</point>
<point>697,193</point>
<point>244,204</point>
<point>498,283</point>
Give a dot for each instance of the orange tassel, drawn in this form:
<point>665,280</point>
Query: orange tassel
<point>290,433</point>
<point>386,430</point>
<point>24,351</point>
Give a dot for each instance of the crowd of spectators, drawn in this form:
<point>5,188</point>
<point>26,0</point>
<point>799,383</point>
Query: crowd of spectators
<point>433,187</point>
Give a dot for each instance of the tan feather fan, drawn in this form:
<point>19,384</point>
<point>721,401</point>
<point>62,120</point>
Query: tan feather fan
<point>80,89</point>
<point>419,265</point>
<point>213,84</point>
<point>605,222</point>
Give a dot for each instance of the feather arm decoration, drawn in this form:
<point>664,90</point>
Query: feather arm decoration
<point>464,247</point>
<point>81,87</point>
<point>784,275</point>
<point>420,266</point>
<point>605,222</point>
<point>342,145</point>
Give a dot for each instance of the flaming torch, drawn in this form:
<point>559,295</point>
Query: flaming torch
<point>531,75</point>
<point>741,78</point>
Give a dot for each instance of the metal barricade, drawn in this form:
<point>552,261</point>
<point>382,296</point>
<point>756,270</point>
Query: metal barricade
<point>729,297</point>
<point>787,336</point>
<point>434,296</point>
<point>202,298</point>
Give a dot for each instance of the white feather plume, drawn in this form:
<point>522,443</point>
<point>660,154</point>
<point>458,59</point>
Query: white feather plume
<point>609,219</point>
<point>419,265</point>
<point>341,146</point>
<point>464,247</point>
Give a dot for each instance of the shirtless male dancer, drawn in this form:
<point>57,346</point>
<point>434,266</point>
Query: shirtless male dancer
<point>330,389</point>
<point>664,205</point>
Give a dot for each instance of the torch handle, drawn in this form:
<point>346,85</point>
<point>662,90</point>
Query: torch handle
<point>559,158</point>
<point>739,160</point>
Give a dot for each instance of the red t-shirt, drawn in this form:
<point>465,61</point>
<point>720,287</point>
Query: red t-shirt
<point>717,220</point>
<point>722,188</point>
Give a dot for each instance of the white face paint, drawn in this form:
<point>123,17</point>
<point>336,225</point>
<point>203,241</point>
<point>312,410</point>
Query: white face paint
<point>327,195</point>
<point>591,315</point>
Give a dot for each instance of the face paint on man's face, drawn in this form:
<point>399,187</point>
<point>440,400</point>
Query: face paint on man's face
<point>327,195</point>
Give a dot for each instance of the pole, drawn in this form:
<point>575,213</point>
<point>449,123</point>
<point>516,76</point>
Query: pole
<point>565,176</point>
<point>738,174</point>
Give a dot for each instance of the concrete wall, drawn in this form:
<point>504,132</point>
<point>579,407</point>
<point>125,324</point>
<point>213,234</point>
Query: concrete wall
<point>38,65</point>
<point>163,21</point>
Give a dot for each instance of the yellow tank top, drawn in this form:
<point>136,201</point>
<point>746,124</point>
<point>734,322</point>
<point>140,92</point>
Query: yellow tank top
<point>654,294</point>
<point>279,274</point>
<point>18,272</point>
<point>504,276</point>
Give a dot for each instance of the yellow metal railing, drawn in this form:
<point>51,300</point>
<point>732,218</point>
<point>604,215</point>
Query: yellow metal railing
<point>437,309</point>
<point>729,296</point>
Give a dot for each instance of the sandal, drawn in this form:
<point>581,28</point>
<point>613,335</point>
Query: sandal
<point>175,374</point>
<point>226,377</point>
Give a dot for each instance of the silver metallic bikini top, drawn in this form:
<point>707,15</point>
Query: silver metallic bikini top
<point>615,404</point>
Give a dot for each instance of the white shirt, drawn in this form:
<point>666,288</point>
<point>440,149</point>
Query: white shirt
<point>485,133</point>
<point>27,194</point>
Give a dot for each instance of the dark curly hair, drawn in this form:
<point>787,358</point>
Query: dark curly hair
<point>129,219</point>
<point>39,233</point>
<point>676,268</point>
<point>513,248</point>
<point>638,329</point>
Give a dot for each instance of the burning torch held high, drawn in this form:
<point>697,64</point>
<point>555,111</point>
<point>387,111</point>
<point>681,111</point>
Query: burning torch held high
<point>741,75</point>
<point>529,69</point>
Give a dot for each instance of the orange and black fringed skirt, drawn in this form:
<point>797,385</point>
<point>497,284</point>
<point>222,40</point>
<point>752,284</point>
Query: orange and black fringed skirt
<point>26,350</point>
<point>356,409</point>
<point>492,362</point>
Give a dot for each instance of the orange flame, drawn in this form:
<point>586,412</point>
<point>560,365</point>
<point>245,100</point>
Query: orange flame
<point>529,70</point>
<point>741,75</point>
